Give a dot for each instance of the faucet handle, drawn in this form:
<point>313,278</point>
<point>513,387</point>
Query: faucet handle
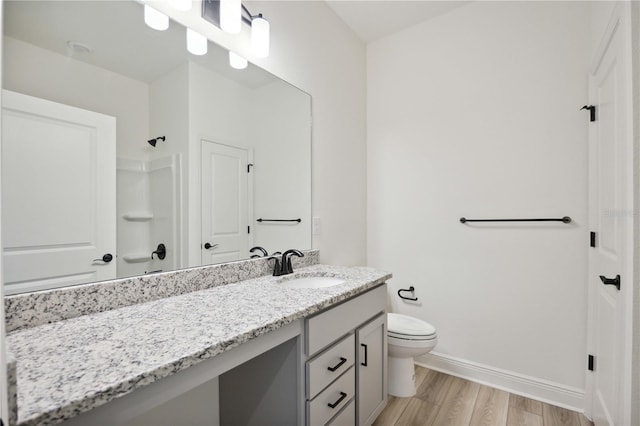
<point>277,270</point>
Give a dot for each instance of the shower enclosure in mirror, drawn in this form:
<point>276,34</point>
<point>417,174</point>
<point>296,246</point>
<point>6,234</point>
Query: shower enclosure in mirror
<point>123,154</point>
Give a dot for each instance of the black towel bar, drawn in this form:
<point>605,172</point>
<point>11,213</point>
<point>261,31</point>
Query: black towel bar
<point>565,219</point>
<point>279,220</point>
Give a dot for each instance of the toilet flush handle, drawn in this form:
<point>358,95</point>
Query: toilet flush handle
<point>411,289</point>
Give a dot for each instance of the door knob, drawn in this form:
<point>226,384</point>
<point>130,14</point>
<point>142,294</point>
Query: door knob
<point>611,281</point>
<point>209,246</point>
<point>106,258</point>
<point>161,251</point>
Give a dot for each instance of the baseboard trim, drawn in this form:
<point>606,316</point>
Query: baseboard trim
<point>519,384</point>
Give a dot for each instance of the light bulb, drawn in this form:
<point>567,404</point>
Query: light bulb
<point>196,42</point>
<point>231,16</point>
<point>236,61</point>
<point>260,37</point>
<point>155,19</point>
<point>181,5</point>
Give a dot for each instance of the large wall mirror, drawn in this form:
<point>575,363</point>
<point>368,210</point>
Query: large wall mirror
<point>124,155</point>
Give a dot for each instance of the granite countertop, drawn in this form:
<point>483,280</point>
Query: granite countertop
<point>69,367</point>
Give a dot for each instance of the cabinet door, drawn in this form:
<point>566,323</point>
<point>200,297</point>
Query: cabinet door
<point>371,373</point>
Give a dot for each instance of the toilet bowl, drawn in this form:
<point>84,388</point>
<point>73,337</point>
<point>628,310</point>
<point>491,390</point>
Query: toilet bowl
<point>407,338</point>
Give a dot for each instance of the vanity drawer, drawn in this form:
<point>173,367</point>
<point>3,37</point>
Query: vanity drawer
<point>330,325</point>
<point>319,373</point>
<point>347,417</point>
<point>338,394</point>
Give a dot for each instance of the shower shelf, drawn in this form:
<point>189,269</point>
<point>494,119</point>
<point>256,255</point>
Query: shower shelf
<point>137,258</point>
<point>138,216</point>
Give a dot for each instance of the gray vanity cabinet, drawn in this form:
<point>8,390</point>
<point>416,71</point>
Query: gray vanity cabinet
<point>346,365</point>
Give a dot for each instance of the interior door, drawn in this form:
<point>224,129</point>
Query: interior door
<point>225,203</point>
<point>58,194</point>
<point>610,216</point>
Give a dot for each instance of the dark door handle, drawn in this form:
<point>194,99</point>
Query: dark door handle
<point>611,281</point>
<point>209,246</point>
<point>335,404</point>
<point>335,367</point>
<point>106,258</point>
<point>364,363</point>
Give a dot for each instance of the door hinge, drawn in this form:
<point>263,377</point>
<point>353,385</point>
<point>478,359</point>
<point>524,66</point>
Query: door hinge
<point>592,111</point>
<point>592,239</point>
<point>249,166</point>
<point>248,229</point>
<point>591,363</point>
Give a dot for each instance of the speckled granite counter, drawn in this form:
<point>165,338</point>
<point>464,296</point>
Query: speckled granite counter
<point>71,366</point>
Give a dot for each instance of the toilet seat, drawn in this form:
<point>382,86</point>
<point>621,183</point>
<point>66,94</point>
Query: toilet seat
<point>405,327</point>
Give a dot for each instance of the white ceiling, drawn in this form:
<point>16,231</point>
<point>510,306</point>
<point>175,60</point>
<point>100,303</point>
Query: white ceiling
<point>374,19</point>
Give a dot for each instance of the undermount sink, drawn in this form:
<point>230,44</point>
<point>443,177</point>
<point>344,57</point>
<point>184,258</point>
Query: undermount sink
<point>312,282</point>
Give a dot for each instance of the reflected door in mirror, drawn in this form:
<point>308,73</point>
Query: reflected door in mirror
<point>58,194</point>
<point>225,203</point>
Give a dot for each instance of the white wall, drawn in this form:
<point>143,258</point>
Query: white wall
<point>475,113</point>
<point>44,74</point>
<point>281,132</point>
<point>314,50</point>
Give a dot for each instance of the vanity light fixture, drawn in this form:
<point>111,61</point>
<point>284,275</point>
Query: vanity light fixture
<point>228,15</point>
<point>236,61</point>
<point>155,19</point>
<point>260,36</point>
<point>196,43</point>
<point>231,16</point>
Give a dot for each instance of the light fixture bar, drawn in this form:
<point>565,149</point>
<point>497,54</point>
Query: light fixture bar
<point>215,11</point>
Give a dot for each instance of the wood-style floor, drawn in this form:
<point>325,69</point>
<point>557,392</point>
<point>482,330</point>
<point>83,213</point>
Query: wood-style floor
<point>444,400</point>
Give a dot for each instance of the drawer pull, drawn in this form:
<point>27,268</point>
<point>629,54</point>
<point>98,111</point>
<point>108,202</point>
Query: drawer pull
<point>335,404</point>
<point>335,367</point>
<point>364,363</point>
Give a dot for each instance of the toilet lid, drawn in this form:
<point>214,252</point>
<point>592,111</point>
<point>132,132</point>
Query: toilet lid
<point>406,326</point>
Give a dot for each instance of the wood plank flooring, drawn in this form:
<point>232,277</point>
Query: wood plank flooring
<point>444,400</point>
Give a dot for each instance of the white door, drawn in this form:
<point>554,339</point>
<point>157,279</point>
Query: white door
<point>225,203</point>
<point>611,217</point>
<point>58,194</point>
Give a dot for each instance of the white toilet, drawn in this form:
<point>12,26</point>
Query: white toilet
<point>408,337</point>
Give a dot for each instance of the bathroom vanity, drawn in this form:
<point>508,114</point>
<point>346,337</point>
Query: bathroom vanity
<point>242,351</point>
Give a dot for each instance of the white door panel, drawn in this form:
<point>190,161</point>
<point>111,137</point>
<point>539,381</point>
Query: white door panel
<point>225,203</point>
<point>610,213</point>
<point>58,194</point>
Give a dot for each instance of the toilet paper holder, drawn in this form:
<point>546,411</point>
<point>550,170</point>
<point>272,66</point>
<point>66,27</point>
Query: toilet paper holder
<point>410,289</point>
